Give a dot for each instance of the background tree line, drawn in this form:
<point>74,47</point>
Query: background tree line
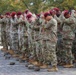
<point>35,6</point>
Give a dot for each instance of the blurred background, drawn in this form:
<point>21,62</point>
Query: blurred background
<point>35,6</point>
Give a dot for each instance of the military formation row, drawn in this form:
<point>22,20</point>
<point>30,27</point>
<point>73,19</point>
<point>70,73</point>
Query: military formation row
<point>42,40</point>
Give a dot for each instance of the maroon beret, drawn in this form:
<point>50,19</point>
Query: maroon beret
<point>66,13</point>
<point>51,12</point>
<point>19,13</point>
<point>38,15</point>
<point>7,13</point>
<point>26,11</point>
<point>13,14</point>
<point>46,14</point>
<point>29,16</point>
<point>56,9</point>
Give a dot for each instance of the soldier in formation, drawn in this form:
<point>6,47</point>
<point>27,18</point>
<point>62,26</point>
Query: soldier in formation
<point>44,40</point>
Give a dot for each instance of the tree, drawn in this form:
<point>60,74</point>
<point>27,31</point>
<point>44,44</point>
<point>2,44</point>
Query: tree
<point>35,6</point>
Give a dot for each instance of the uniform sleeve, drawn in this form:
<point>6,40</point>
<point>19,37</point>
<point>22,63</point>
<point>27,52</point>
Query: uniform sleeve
<point>35,27</point>
<point>57,18</point>
<point>62,18</point>
<point>1,21</point>
<point>51,23</point>
<point>69,21</point>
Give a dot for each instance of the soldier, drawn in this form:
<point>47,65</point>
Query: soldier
<point>49,36</point>
<point>22,35</point>
<point>29,31</point>
<point>13,33</point>
<point>31,38</point>
<point>37,43</point>
<point>40,50</point>
<point>3,35</point>
<point>68,37</point>
<point>56,14</point>
<point>73,14</point>
<point>7,28</point>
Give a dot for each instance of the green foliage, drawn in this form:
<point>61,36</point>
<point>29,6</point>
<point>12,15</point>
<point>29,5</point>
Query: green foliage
<point>35,6</point>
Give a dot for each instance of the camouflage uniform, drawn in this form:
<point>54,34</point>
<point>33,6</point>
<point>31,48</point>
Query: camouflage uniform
<point>29,39</point>
<point>59,41</point>
<point>22,36</point>
<point>13,34</point>
<point>7,32</point>
<point>3,33</point>
<point>74,42</point>
<point>49,37</point>
<point>37,41</point>
<point>68,37</point>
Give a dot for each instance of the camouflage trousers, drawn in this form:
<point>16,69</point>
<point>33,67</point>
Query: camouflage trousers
<point>30,46</point>
<point>8,35</point>
<point>49,52</point>
<point>4,40</point>
<point>37,52</point>
<point>14,41</point>
<point>24,46</point>
<point>67,48</point>
<point>60,51</point>
<point>74,47</point>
